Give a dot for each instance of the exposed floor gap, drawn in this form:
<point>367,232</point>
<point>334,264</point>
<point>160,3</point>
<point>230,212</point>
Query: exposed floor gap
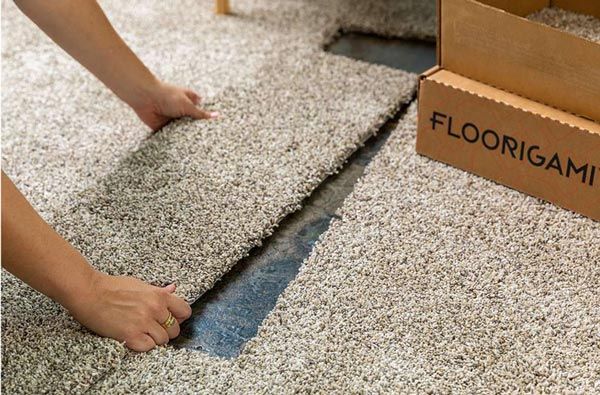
<point>411,55</point>
<point>229,314</point>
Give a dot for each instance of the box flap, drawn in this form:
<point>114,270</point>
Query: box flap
<point>477,88</point>
<point>509,52</point>
<point>520,7</point>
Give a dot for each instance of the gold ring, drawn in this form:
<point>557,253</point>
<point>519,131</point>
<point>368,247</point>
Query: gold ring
<point>169,322</point>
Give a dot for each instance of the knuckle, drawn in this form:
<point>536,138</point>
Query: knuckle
<point>131,334</point>
<point>139,344</point>
<point>133,346</point>
<point>159,296</point>
<point>138,316</point>
<point>157,308</point>
<point>164,337</point>
<point>147,315</point>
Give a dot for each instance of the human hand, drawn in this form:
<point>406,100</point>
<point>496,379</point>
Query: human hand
<point>83,30</point>
<point>164,102</point>
<point>130,310</point>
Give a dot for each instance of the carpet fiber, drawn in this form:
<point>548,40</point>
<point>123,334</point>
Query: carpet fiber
<point>432,280</point>
<point>187,203</point>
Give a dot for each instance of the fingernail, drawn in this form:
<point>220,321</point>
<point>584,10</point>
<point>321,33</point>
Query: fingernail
<point>214,114</point>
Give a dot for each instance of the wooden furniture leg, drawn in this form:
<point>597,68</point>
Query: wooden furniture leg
<point>222,7</point>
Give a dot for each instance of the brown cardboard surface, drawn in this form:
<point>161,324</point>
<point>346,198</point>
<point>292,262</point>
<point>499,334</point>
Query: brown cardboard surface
<point>539,150</point>
<point>509,52</point>
<point>590,7</point>
<point>478,88</point>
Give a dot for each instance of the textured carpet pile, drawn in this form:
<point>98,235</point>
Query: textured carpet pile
<point>187,203</point>
<point>433,279</point>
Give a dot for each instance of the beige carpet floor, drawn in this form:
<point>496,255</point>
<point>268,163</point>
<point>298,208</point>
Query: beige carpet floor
<point>433,280</point>
<point>187,203</point>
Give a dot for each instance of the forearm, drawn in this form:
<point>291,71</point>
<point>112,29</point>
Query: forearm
<point>81,28</point>
<point>34,252</point>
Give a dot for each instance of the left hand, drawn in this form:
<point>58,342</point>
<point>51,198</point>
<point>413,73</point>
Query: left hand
<point>129,310</point>
<point>165,102</point>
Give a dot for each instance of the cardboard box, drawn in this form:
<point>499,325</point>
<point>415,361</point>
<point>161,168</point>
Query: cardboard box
<point>515,101</point>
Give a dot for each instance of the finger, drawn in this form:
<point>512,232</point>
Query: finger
<point>170,288</point>
<point>158,122</point>
<point>178,307</point>
<point>193,96</point>
<point>158,333</point>
<point>197,113</point>
<point>141,343</point>
<point>173,331</point>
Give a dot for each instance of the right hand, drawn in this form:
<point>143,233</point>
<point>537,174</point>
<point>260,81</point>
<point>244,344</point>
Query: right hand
<point>163,102</point>
<point>130,310</point>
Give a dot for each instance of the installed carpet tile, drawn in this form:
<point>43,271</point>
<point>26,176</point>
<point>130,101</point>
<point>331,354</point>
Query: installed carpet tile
<point>71,357</point>
<point>434,280</point>
<point>184,204</point>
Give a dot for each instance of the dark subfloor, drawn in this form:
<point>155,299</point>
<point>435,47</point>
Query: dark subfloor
<point>229,315</point>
